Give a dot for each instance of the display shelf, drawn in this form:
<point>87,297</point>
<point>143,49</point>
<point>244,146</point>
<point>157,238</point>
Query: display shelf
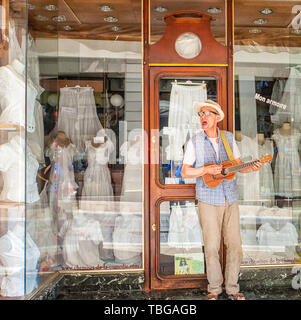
<point>11,127</point>
<point>10,204</point>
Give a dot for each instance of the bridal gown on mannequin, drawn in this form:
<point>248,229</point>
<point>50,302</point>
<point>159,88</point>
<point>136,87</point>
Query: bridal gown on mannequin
<point>287,178</point>
<point>13,167</point>
<point>97,179</point>
<point>77,115</point>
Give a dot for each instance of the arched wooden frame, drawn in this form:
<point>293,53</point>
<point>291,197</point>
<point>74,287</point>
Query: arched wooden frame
<point>159,62</point>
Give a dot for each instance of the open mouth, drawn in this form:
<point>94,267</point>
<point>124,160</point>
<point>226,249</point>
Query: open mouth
<point>204,123</point>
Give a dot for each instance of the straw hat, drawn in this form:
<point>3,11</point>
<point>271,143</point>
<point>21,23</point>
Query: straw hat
<point>197,106</point>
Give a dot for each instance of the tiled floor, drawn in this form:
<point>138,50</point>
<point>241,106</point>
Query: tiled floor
<point>187,294</point>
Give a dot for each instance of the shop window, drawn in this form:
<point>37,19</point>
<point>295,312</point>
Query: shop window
<point>267,122</point>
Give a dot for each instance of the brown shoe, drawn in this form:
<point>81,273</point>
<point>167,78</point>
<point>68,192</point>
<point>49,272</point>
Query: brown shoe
<point>236,296</point>
<point>212,296</point>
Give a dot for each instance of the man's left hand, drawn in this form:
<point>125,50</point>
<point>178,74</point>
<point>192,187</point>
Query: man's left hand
<point>256,166</point>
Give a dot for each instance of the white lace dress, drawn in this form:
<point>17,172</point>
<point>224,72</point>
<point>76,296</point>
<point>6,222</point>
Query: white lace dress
<point>62,179</point>
<point>97,179</point>
<point>77,115</point>
<point>287,177</point>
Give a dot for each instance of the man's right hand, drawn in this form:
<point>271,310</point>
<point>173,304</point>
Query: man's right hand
<point>213,169</point>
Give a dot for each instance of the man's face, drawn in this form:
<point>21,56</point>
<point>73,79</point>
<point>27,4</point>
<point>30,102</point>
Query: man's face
<point>210,121</point>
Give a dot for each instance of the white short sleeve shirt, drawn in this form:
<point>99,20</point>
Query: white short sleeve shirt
<point>189,156</point>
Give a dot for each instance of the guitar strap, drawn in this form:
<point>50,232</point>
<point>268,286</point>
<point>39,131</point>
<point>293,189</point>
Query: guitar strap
<point>226,145</point>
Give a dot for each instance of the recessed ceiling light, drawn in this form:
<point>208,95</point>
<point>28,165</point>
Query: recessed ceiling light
<point>255,31</point>
<point>51,7</point>
<point>31,6</point>
<point>59,18</point>
<point>260,21</point>
<point>67,28</point>
<point>296,31</point>
<point>110,19</point>
<point>214,10</point>
<point>41,18</point>
<point>266,11</point>
<point>115,28</point>
<point>160,9</point>
<point>105,8</point>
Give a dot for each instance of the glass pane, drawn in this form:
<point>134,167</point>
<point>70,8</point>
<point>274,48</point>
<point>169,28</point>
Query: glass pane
<point>267,122</point>
<point>12,149</point>
<point>179,122</point>
<point>86,138</point>
<point>181,240</point>
<point>216,9</point>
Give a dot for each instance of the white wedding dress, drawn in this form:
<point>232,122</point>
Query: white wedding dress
<point>287,177</point>
<point>97,179</point>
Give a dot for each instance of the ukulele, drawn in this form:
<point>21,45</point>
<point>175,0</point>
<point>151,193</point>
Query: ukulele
<point>229,170</point>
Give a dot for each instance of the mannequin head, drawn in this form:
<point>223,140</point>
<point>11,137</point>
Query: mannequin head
<point>286,129</point>
<point>100,139</point>
<point>62,139</point>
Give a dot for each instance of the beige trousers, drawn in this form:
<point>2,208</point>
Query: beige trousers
<point>216,221</point>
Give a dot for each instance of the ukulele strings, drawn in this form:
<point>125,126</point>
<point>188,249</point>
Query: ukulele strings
<point>241,166</point>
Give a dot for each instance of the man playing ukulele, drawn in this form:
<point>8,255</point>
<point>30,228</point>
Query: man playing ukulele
<point>218,207</point>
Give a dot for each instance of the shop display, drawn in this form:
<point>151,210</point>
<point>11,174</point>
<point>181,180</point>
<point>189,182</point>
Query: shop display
<point>77,115</point>
<point>12,93</point>
<point>287,176</point>
<point>266,182</point>
<point>61,152</point>
<point>40,225</point>
<point>97,177</point>
<point>132,152</point>
<point>36,139</point>
<point>277,233</point>
<point>82,238</point>
<point>12,166</point>
<point>12,262</point>
<point>184,227</point>
<point>182,116</point>
<point>127,239</point>
<point>277,93</point>
<point>291,98</point>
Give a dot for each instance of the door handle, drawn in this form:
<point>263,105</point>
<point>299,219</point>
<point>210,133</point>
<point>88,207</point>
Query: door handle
<point>153,139</point>
<point>154,227</point>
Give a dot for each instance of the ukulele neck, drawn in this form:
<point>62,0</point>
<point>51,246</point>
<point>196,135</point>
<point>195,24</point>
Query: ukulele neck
<point>241,166</point>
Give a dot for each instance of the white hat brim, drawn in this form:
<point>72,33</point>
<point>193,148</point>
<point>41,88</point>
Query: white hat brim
<point>198,105</point>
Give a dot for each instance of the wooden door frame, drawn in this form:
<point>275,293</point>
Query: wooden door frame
<point>148,215</point>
